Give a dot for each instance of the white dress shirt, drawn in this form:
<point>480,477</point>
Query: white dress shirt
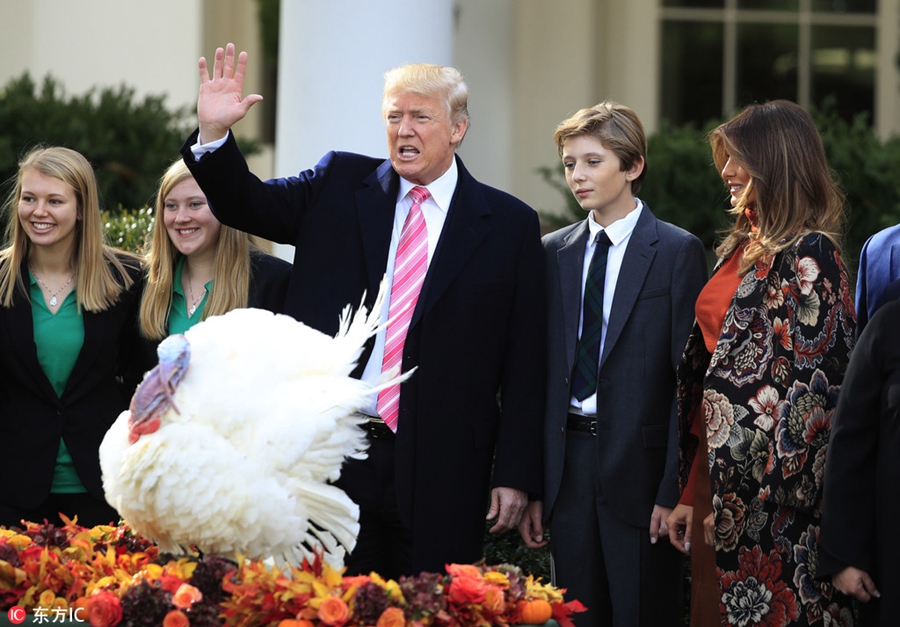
<point>619,233</point>
<point>435,212</point>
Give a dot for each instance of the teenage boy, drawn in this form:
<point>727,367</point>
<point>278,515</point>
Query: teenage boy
<point>621,292</point>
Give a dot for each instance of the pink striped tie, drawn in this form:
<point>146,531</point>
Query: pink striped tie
<point>409,272</point>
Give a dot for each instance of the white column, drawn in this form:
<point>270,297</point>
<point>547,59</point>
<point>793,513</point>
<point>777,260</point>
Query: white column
<point>887,79</point>
<point>332,59</point>
<point>484,54</point>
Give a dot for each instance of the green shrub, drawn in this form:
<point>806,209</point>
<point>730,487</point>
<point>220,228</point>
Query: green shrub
<point>867,169</point>
<point>129,142</point>
<point>127,229</point>
<point>508,548</point>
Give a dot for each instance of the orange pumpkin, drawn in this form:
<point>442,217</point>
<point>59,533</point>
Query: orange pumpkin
<point>536,612</point>
<point>291,622</point>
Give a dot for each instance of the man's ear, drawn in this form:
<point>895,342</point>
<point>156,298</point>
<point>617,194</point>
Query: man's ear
<point>458,131</point>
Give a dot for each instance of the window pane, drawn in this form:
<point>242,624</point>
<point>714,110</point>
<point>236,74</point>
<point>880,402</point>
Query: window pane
<point>843,66</point>
<point>697,4</point>
<point>766,63</point>
<point>768,5</point>
<point>844,6</point>
<point>692,72</point>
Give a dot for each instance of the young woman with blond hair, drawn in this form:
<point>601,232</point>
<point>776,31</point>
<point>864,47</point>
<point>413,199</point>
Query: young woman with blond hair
<point>68,342</point>
<point>196,267</point>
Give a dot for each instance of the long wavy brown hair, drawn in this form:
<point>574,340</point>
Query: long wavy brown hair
<point>778,144</point>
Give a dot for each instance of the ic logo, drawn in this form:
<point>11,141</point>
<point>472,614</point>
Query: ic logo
<point>16,615</point>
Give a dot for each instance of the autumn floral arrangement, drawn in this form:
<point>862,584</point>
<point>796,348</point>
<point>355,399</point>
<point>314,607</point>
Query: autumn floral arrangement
<point>108,576</point>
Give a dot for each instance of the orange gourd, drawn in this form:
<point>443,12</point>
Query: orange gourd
<point>536,612</point>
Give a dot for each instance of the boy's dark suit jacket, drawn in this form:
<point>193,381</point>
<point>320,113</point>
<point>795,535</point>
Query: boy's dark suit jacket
<point>478,329</point>
<point>662,273</point>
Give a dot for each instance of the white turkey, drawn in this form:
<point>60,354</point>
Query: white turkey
<point>232,439</point>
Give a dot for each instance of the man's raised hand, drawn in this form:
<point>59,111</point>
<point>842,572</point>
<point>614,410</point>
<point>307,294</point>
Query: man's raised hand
<point>221,103</point>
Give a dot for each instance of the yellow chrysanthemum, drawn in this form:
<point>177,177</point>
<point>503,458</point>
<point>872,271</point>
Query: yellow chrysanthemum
<point>183,568</point>
<point>153,571</point>
<point>19,541</point>
<point>390,586</point>
<point>536,590</point>
<point>496,578</point>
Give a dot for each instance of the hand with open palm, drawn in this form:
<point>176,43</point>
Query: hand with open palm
<point>221,103</point>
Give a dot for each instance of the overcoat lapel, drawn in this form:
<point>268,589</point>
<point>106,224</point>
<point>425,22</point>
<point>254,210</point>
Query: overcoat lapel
<point>466,226</point>
<point>635,264</point>
<point>570,258</point>
<point>376,203</point>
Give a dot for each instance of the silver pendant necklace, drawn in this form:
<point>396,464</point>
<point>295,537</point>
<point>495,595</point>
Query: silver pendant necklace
<point>195,302</point>
<point>54,301</point>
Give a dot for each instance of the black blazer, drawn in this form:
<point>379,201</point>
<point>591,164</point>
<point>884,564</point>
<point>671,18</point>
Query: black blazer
<point>478,328</point>
<point>269,278</point>
<point>33,418</point>
<point>860,505</point>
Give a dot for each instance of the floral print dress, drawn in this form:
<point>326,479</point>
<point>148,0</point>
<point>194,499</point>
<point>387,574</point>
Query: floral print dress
<point>767,395</point>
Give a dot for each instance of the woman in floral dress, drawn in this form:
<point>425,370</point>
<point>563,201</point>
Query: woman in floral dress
<point>761,374</point>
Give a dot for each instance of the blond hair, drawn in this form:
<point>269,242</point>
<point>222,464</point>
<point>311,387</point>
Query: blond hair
<point>101,275</point>
<point>231,276</point>
<point>777,143</point>
<point>432,81</point>
<point>615,126</point>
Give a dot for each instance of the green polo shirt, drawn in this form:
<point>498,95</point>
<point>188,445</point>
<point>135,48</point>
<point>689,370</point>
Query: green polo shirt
<point>179,322</point>
<point>58,338</point>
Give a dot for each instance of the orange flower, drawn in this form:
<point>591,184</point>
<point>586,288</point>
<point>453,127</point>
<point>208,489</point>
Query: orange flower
<point>186,596</point>
<point>494,600</point>
<point>140,560</point>
<point>105,609</point>
<point>46,599</point>
<point>391,617</point>
<point>176,618</point>
<point>80,606</point>
<point>464,570</point>
<point>170,583</point>
<point>333,611</point>
<point>356,580</point>
<point>466,590</point>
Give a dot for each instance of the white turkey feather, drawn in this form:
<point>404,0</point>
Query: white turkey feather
<point>264,416</point>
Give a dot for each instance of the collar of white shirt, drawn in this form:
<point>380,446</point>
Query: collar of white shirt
<point>441,188</point>
<point>618,230</point>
